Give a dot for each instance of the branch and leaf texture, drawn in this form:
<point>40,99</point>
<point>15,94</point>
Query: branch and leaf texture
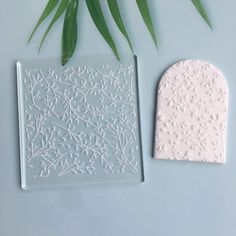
<point>69,8</point>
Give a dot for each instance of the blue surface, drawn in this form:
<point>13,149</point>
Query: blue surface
<point>177,198</point>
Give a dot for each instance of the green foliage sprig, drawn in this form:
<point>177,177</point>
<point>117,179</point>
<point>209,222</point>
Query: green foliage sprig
<point>202,12</point>
<point>69,33</point>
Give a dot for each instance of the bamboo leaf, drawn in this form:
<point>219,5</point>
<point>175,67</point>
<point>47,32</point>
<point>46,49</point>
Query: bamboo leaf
<point>115,11</point>
<point>144,10</point>
<point>48,9</point>
<point>96,13</point>
<point>61,9</point>
<point>198,5</point>
<point>69,33</point>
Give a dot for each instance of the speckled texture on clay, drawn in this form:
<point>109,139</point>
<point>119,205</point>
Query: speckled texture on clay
<point>79,123</point>
<point>192,109</point>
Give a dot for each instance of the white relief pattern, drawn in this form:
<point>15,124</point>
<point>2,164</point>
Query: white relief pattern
<point>81,123</point>
<point>192,110</point>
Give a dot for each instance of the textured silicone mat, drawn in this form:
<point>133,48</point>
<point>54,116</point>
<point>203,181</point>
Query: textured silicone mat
<point>192,113</point>
<point>79,123</point>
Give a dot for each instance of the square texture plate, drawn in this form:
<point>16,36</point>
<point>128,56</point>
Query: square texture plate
<point>79,123</point>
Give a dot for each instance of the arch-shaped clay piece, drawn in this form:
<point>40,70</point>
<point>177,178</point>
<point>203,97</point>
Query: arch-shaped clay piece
<point>192,110</point>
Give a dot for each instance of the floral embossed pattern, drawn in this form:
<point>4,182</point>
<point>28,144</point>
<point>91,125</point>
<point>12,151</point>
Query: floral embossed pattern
<point>192,113</point>
<point>80,123</point>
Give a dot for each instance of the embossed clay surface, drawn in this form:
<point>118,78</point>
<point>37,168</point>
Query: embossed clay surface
<point>79,123</point>
<point>192,109</point>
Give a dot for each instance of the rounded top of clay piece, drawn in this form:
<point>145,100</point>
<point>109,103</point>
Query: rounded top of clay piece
<point>195,69</point>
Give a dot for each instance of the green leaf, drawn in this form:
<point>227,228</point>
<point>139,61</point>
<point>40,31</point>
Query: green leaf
<point>69,33</point>
<point>48,9</point>
<point>61,9</point>
<point>144,10</point>
<point>96,13</point>
<point>115,11</point>
<point>198,5</point>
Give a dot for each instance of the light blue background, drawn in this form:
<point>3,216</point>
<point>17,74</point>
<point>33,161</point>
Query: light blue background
<point>177,198</point>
